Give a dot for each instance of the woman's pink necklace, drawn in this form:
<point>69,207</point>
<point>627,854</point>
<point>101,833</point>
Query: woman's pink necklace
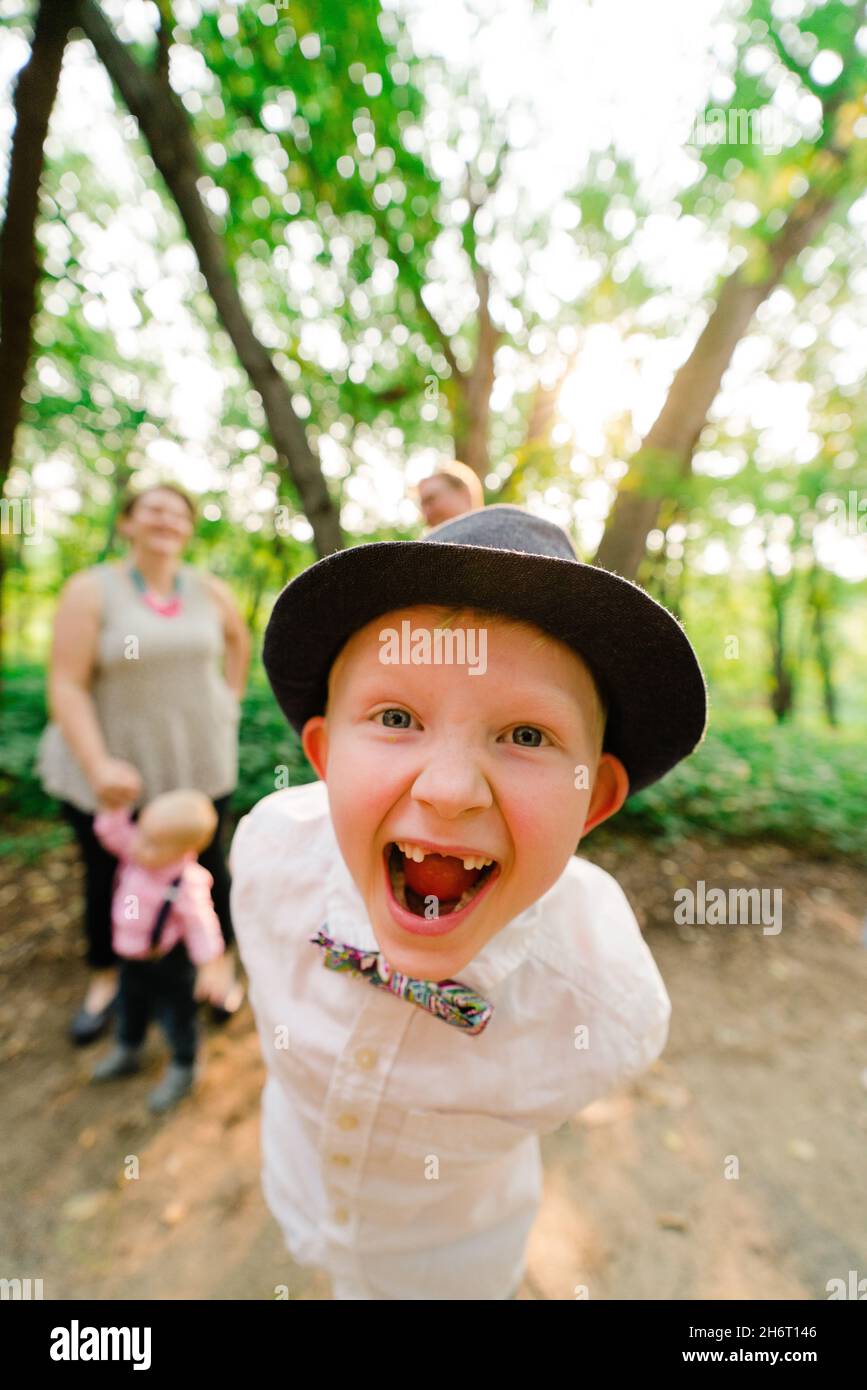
<point>166,607</point>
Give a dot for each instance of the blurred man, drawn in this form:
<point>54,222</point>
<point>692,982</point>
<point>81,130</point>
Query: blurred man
<point>449,491</point>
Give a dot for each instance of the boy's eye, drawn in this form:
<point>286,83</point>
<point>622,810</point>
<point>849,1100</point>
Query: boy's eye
<point>528,736</point>
<point>525,735</point>
<point>391,718</point>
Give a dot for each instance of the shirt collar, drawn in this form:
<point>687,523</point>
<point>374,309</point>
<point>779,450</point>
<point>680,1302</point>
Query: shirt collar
<point>347,919</point>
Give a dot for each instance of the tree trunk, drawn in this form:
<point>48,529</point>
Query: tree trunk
<point>672,438</point>
<point>35,92</point>
<point>120,482</point>
<point>254,599</point>
<point>537,439</point>
<point>474,389</point>
<point>164,125</point>
<point>783,685</point>
<point>820,603</point>
<point>823,655</point>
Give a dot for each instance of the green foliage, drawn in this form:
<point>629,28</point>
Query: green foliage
<point>755,150</point>
<point>796,786</point>
<point>24,715</point>
<point>324,177</point>
<point>321,138</point>
<point>309,132</point>
<point>269,753</point>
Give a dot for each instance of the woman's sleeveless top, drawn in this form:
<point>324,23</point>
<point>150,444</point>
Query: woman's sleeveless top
<point>160,695</point>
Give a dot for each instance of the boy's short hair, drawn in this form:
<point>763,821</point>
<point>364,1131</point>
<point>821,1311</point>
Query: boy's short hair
<point>450,615</point>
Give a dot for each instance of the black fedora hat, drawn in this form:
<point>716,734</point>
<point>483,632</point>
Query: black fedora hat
<point>503,560</point>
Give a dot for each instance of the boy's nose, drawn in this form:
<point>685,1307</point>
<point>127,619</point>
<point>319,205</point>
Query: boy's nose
<point>452,782</point>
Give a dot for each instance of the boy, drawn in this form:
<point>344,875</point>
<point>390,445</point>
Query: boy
<point>473,703</point>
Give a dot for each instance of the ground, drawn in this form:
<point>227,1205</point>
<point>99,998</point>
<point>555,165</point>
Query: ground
<point>733,1169</point>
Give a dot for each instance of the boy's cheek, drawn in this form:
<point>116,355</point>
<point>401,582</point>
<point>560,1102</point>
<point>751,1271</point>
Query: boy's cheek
<point>541,873</point>
<point>362,784</point>
<point>541,856</point>
<point>357,815</point>
<point>549,823</point>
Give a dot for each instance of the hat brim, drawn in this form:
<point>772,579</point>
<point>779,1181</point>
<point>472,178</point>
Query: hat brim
<point>637,651</point>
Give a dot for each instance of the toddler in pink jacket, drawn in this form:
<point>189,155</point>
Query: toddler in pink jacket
<point>165,930</point>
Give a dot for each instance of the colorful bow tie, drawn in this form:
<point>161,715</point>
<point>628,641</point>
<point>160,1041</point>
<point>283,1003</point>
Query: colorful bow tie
<point>448,999</point>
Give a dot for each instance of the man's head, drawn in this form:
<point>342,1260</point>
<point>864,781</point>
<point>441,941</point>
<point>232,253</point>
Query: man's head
<point>506,766</point>
<point>449,491</point>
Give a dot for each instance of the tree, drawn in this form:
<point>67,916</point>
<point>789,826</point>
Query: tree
<point>35,91</point>
<point>408,196</point>
<point>833,171</point>
<point>164,124</point>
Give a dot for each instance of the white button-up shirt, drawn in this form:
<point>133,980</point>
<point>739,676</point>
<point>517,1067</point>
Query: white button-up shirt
<point>399,1152</point>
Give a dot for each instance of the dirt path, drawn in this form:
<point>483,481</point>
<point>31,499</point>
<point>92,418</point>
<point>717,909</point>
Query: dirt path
<point>765,1070</point>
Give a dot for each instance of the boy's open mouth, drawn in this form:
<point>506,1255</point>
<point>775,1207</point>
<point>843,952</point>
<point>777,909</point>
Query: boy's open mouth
<point>449,880</point>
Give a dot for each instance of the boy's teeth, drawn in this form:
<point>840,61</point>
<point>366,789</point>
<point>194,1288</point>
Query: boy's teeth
<point>411,852</point>
<point>398,879</point>
<point>416,853</point>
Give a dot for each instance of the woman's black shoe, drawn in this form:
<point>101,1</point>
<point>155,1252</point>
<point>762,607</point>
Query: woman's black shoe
<point>87,1027</point>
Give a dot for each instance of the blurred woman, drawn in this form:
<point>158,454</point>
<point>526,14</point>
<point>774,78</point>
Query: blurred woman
<point>139,705</point>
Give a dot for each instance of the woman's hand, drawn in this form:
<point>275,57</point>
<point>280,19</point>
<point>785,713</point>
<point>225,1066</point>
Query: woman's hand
<point>116,783</point>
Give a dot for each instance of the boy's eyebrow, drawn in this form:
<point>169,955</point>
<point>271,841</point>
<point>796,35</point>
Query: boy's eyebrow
<point>558,701</point>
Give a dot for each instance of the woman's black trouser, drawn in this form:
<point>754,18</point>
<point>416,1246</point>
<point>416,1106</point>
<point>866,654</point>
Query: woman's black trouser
<point>99,867</point>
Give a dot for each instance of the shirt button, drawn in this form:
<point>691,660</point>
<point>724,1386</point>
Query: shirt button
<point>341,1215</point>
<point>347,1121</point>
<point>342,1159</point>
<point>365,1058</point>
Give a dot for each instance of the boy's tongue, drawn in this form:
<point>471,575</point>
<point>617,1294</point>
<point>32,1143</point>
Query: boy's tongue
<point>439,876</point>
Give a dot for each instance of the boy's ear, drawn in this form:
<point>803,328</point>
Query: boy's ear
<point>314,741</point>
<point>610,790</point>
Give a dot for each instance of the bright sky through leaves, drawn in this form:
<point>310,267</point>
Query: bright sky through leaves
<point>572,81</point>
